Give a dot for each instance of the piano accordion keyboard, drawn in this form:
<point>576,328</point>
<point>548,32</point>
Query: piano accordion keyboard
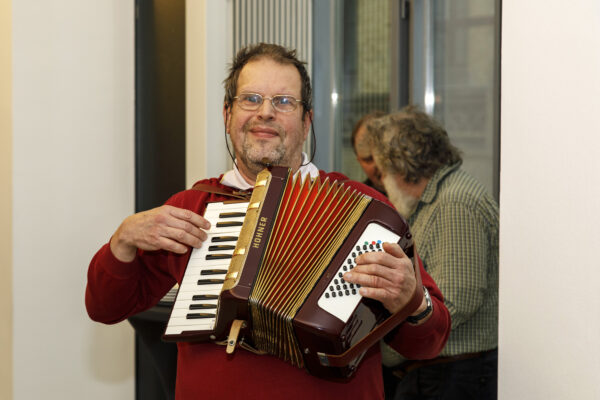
<point>196,303</point>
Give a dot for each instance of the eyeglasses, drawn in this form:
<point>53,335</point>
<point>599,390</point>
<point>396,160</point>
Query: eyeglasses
<point>253,101</point>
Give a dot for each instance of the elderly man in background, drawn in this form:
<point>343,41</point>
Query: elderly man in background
<point>455,225</point>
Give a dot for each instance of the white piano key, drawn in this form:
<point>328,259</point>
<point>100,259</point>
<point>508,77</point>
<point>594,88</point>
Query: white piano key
<point>187,299</point>
<point>184,324</point>
<point>225,207</point>
<point>200,259</point>
<point>186,306</point>
<point>183,312</point>
<point>193,324</point>
<point>200,289</point>
<point>196,274</point>
<point>195,290</point>
<point>203,250</point>
<point>179,329</point>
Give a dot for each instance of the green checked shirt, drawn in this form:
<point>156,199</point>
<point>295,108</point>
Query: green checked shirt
<point>455,227</point>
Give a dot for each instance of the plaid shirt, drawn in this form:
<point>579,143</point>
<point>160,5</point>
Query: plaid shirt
<point>455,226</point>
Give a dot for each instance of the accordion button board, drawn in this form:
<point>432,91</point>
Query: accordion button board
<point>196,302</point>
<point>341,298</point>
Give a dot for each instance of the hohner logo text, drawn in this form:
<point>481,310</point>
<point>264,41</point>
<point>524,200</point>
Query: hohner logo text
<point>258,235</point>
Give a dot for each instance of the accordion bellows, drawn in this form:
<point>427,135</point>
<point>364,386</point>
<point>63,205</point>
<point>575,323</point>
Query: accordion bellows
<point>285,276</point>
<point>313,221</point>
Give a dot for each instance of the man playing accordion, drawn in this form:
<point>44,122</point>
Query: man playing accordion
<point>267,113</point>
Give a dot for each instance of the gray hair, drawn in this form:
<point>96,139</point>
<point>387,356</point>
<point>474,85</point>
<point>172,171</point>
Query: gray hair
<point>410,143</point>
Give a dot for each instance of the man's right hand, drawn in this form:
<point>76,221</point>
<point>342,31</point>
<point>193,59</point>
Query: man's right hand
<point>162,228</point>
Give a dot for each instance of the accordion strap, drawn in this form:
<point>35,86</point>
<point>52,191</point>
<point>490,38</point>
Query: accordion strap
<point>224,191</point>
<point>344,359</point>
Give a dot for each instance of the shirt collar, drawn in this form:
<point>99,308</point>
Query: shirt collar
<point>234,178</point>
<point>432,186</point>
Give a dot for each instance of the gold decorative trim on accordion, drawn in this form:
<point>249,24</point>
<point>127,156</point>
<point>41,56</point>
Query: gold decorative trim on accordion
<point>247,234</point>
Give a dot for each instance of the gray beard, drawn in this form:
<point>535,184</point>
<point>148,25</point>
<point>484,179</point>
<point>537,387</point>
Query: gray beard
<point>405,203</point>
<point>255,157</point>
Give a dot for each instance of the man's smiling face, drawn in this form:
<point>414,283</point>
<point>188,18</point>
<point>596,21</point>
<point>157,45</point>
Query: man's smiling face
<point>267,133</point>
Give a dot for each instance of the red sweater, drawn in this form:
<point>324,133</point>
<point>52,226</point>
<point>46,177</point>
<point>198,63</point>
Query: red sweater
<point>117,290</point>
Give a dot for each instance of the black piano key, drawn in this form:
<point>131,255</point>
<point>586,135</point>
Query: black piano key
<point>224,239</point>
<point>218,256</point>
<point>213,272</point>
<point>198,297</point>
<point>232,215</point>
<point>221,247</point>
<point>210,281</point>
<point>202,306</point>
<point>199,315</point>
<point>226,224</point>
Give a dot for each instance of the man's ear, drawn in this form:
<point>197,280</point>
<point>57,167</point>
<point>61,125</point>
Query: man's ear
<point>226,116</point>
<point>308,117</point>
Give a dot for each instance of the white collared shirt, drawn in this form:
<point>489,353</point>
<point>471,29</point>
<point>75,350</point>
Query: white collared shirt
<point>234,178</point>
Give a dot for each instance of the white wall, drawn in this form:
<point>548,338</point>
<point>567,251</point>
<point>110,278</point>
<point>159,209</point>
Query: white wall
<point>549,198</point>
<point>73,127</point>
<point>6,302</point>
<point>207,56</point>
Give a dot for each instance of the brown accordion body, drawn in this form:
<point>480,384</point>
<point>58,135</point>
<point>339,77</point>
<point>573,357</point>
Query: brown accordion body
<point>296,239</point>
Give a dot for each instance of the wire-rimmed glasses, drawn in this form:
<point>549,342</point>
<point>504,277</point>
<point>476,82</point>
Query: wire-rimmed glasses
<point>281,102</point>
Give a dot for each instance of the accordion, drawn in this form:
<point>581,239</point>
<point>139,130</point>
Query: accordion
<point>281,290</point>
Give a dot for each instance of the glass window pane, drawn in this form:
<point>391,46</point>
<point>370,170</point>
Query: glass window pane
<point>365,72</point>
<point>464,43</point>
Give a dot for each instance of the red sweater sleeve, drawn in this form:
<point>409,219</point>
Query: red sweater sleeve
<point>428,339</point>
<point>118,290</point>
